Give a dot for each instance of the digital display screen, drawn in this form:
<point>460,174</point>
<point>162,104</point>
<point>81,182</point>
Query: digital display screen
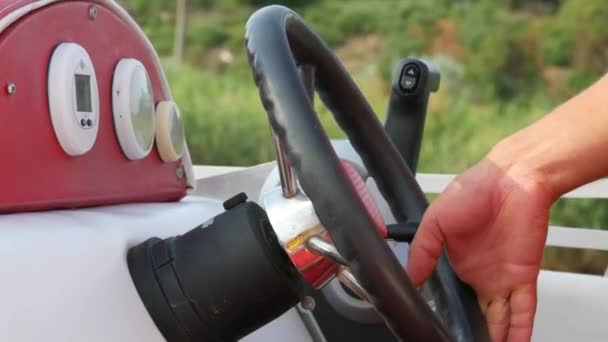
<point>83,93</point>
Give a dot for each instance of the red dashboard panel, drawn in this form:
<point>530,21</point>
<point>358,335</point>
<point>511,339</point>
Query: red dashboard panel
<point>35,173</point>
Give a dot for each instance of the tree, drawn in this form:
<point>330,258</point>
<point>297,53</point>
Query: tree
<point>180,28</point>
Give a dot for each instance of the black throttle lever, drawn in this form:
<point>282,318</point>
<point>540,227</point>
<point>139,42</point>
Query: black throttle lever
<point>413,83</point>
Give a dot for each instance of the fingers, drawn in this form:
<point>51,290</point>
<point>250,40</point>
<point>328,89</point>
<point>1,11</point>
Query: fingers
<point>497,313</point>
<point>523,309</point>
<point>425,249</point>
<point>511,318</point>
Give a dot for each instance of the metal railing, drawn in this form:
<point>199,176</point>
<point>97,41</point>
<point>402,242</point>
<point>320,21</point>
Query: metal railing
<point>570,237</point>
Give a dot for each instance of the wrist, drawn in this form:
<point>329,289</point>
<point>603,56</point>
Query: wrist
<point>518,167</point>
<point>563,150</point>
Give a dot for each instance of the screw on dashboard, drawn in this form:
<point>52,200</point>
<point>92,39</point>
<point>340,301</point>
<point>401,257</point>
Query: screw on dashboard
<point>308,303</point>
<point>179,172</point>
<point>11,88</point>
<point>93,12</point>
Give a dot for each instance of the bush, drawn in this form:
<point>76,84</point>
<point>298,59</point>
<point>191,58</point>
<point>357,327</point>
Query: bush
<point>224,120</point>
<point>496,60</point>
<point>579,80</point>
<point>202,35</point>
<point>587,23</point>
<point>335,22</point>
<point>557,44</point>
<point>156,19</point>
<point>288,3</point>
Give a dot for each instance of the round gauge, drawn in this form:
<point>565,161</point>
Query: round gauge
<point>170,138</point>
<point>133,107</point>
<point>73,98</point>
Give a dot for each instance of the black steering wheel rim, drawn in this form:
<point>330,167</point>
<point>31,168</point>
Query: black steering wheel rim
<point>277,42</point>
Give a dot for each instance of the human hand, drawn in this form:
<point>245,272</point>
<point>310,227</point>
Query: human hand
<point>493,224</point>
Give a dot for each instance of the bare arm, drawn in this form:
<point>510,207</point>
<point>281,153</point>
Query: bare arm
<point>492,220</point>
<point>565,149</point>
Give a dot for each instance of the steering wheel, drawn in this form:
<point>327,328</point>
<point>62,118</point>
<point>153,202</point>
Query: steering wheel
<point>278,42</point>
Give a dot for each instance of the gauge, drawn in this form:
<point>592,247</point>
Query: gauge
<point>170,139</point>
<point>73,98</point>
<point>133,108</point>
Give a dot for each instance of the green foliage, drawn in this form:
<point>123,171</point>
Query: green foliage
<point>157,20</point>
<point>557,47</point>
<point>288,3</point>
<point>246,3</point>
<point>225,124</point>
<point>579,79</point>
<point>546,5</point>
<point>587,22</point>
<point>214,29</point>
<point>580,212</point>
<point>341,21</point>
<point>496,59</point>
<point>203,34</point>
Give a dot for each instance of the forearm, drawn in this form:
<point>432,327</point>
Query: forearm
<point>565,149</point>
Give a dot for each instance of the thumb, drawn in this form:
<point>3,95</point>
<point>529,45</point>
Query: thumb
<point>426,249</point>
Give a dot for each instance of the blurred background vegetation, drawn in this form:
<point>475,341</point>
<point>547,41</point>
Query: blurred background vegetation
<point>504,64</point>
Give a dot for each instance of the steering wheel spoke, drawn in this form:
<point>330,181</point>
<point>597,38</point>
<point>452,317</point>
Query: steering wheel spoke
<point>324,248</point>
